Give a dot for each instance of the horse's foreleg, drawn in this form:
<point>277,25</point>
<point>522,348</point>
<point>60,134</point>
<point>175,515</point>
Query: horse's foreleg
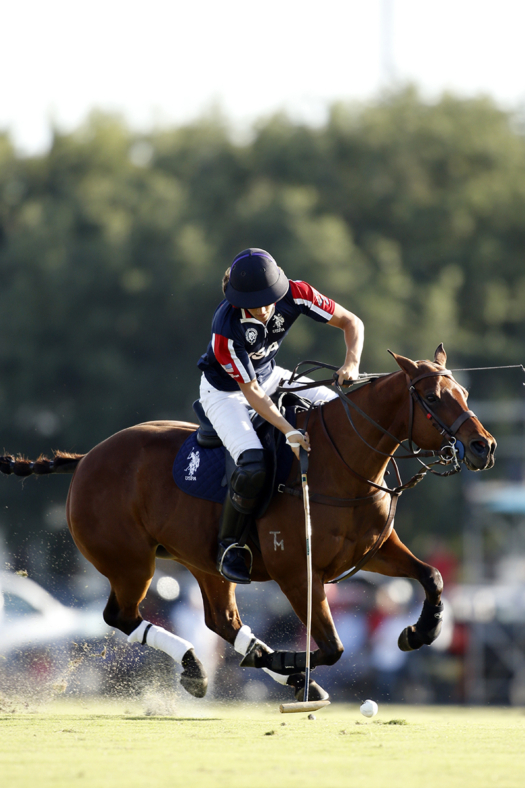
<point>394,559</point>
<point>222,617</point>
<point>329,649</point>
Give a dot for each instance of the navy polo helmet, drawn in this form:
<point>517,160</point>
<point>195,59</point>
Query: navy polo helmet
<point>255,280</point>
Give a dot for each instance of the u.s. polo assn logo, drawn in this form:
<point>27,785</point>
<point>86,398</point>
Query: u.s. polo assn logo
<point>195,461</point>
<point>278,323</point>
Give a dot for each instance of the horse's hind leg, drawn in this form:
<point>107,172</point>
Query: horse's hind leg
<point>105,510</point>
<point>128,589</point>
<point>222,617</point>
<point>122,612</point>
<point>396,560</point>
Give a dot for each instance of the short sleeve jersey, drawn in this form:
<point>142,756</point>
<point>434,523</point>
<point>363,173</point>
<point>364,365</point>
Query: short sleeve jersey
<point>243,349</point>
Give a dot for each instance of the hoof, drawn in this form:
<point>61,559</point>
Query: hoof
<point>193,678</point>
<point>315,692</point>
<point>409,640</point>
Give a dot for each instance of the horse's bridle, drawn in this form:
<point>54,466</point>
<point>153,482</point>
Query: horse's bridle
<point>454,447</point>
<point>451,452</point>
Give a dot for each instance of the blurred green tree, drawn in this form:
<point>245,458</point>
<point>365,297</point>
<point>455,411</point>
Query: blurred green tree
<point>113,245</point>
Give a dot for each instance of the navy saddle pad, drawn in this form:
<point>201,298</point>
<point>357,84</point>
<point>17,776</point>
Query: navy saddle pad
<point>202,472</point>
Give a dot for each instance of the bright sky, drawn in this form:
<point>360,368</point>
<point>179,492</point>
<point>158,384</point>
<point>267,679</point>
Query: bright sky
<point>166,61</point>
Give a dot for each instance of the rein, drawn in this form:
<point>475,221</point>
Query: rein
<point>365,377</point>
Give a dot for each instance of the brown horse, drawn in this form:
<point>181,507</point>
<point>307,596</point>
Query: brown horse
<point>123,507</point>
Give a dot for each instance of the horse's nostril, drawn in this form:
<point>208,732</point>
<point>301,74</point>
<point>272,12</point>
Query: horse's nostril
<point>480,447</point>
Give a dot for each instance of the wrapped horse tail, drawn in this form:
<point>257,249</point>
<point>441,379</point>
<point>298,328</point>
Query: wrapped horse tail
<point>62,462</point>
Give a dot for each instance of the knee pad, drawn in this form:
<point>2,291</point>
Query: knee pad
<point>248,479</point>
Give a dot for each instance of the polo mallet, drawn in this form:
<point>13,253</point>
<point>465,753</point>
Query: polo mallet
<point>306,705</point>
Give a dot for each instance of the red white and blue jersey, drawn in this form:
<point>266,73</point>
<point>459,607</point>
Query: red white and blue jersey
<point>242,348</point>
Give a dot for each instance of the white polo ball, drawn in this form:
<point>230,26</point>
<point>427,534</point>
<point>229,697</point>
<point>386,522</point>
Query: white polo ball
<point>369,708</point>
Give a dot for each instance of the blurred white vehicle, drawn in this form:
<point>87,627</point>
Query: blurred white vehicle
<point>42,640</point>
<point>30,616</point>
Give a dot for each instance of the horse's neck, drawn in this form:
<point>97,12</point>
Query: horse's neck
<point>385,401</point>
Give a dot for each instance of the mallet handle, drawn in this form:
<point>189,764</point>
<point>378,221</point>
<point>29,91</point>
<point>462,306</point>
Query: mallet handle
<point>308,534</point>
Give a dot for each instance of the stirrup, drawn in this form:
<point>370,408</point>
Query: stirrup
<point>221,562</point>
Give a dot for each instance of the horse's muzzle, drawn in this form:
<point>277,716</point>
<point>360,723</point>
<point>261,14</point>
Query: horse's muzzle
<point>479,453</point>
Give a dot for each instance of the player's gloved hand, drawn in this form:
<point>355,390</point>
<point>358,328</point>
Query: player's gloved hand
<point>296,440</point>
<point>348,372</point>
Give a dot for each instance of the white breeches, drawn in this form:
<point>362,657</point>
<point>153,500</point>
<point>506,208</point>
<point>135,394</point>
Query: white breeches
<point>229,411</point>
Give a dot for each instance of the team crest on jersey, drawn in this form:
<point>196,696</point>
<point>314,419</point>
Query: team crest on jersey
<point>278,323</point>
<point>251,335</point>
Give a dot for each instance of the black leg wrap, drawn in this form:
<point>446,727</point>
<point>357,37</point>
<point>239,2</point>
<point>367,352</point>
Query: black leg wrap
<point>256,653</point>
<point>315,692</point>
<point>286,663</point>
<point>425,631</point>
<point>430,621</point>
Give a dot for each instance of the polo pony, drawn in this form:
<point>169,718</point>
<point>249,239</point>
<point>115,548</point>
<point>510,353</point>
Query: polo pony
<point>123,508</point>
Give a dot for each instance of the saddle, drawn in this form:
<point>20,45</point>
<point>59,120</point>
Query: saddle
<point>203,468</point>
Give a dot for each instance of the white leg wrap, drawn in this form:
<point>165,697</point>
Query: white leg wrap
<point>161,639</point>
<point>242,642</point>
<point>243,639</point>
<point>138,634</point>
<point>276,676</point>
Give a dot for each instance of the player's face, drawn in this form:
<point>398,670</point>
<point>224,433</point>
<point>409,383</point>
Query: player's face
<point>263,313</point>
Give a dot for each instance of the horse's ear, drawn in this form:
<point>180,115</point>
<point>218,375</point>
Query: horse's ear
<point>408,366</point>
<point>440,357</point>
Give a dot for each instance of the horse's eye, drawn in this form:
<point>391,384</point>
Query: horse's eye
<point>430,397</point>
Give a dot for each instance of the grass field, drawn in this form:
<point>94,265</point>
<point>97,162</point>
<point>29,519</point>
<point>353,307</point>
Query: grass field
<point>71,743</point>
